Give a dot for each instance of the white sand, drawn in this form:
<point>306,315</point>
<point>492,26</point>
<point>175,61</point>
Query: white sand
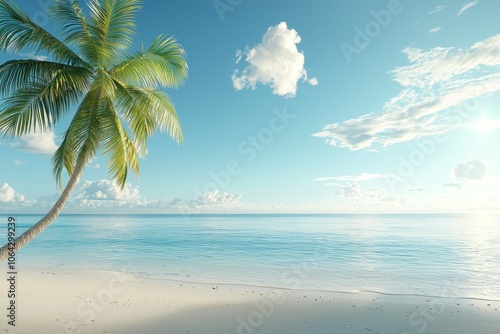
<point>57,301</point>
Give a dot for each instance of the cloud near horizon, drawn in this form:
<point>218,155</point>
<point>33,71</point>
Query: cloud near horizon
<point>435,83</point>
<point>9,195</point>
<point>275,61</point>
<point>104,196</point>
<point>363,177</point>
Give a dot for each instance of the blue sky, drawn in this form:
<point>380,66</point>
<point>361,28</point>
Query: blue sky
<point>292,106</point>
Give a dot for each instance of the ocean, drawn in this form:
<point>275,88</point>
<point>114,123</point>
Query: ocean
<point>430,255</point>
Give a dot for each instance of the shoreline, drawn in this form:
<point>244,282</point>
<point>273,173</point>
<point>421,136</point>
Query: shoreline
<point>171,278</point>
<point>101,301</point>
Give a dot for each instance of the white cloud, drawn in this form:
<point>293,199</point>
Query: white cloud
<point>354,178</point>
<point>351,190</point>
<point>471,170</point>
<point>34,55</point>
<point>467,6</point>
<point>452,186</point>
<point>9,195</point>
<point>433,83</point>
<point>107,190</point>
<point>370,197</point>
<point>437,9</point>
<point>19,162</point>
<point>239,56</point>
<point>38,143</point>
<point>216,200</point>
<point>276,61</point>
<point>434,30</point>
<point>415,190</point>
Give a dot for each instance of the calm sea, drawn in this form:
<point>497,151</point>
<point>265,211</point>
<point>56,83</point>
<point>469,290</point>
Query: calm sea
<point>433,255</point>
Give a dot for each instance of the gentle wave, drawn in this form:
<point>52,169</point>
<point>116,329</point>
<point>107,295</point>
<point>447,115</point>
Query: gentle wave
<point>430,255</point>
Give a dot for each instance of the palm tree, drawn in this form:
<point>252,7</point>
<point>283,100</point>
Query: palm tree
<point>115,95</point>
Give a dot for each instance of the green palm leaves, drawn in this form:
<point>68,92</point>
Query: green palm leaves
<point>116,97</point>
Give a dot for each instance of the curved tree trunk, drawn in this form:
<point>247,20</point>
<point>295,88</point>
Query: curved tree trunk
<point>36,229</point>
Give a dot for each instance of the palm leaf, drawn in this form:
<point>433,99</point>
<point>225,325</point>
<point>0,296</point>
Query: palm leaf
<point>117,146</point>
<point>72,26</point>
<point>17,32</point>
<point>112,24</point>
<point>41,103</point>
<point>147,111</point>
<point>15,74</point>
<point>81,140</point>
<point>163,64</point>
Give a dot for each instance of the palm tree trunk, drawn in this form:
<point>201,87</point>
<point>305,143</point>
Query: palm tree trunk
<point>36,229</point>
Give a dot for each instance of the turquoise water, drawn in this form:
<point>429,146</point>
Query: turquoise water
<point>430,255</point>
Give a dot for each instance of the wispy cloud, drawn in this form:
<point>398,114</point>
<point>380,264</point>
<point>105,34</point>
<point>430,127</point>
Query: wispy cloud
<point>38,143</point>
<point>434,30</point>
<point>437,9</point>
<point>467,6</point>
<point>452,186</point>
<point>276,61</point>
<point>363,177</point>
<point>434,82</point>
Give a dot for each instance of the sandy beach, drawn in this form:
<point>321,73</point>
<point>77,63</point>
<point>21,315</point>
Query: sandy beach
<point>81,301</point>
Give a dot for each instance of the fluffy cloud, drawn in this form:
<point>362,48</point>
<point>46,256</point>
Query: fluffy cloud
<point>108,191</point>
<point>38,143</point>
<point>471,170</point>
<point>435,83</point>
<point>434,30</point>
<point>213,201</point>
<point>351,190</point>
<point>467,6</point>
<point>276,62</point>
<point>218,200</point>
<point>9,195</point>
<point>105,194</point>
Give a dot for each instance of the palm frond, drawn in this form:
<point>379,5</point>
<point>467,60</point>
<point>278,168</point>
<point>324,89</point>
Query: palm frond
<point>81,140</point>
<point>15,74</point>
<point>112,24</point>
<point>72,26</point>
<point>117,146</point>
<point>134,106</point>
<point>165,115</point>
<point>163,64</point>
<point>17,31</point>
<point>39,104</point>
<point>147,111</point>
